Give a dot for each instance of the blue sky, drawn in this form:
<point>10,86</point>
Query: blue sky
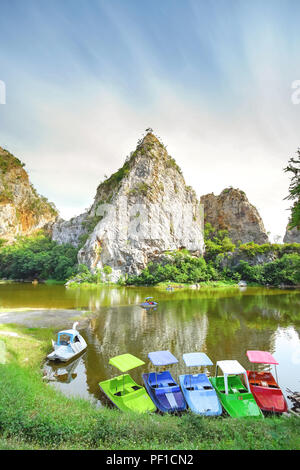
<point>84,78</point>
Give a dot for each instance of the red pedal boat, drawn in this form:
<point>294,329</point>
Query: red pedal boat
<point>264,387</point>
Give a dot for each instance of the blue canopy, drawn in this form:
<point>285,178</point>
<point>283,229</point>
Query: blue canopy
<point>197,359</point>
<point>162,358</point>
<point>147,298</point>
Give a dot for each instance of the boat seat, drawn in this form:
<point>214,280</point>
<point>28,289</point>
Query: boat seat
<point>164,390</point>
<point>162,379</point>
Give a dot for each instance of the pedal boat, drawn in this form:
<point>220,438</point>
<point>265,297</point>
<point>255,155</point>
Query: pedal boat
<point>265,388</point>
<point>68,345</point>
<point>162,388</point>
<point>148,303</point>
<point>122,391</point>
<point>235,397</point>
<point>198,392</point>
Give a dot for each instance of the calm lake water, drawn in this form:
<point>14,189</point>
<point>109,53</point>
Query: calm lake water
<point>222,322</point>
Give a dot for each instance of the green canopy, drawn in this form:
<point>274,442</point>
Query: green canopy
<point>126,362</point>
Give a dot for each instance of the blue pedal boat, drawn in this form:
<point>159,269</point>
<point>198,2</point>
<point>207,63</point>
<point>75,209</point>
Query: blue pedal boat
<point>148,303</point>
<point>161,386</point>
<point>199,393</point>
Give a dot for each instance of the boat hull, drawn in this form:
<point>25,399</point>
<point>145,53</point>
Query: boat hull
<point>239,403</point>
<point>168,399</point>
<point>65,353</point>
<point>267,393</point>
<point>199,394</point>
<point>130,397</point>
<point>148,305</point>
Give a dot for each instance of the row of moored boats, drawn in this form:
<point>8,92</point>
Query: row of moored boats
<point>237,391</point>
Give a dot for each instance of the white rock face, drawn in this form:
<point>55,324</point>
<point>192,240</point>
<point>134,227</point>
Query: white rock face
<point>140,212</point>
<point>69,231</point>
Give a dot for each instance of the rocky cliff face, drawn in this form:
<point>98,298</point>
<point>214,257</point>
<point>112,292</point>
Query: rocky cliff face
<point>232,211</point>
<point>139,213</point>
<point>22,210</point>
<point>292,236</point>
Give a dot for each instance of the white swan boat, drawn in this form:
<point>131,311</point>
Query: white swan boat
<point>68,345</point>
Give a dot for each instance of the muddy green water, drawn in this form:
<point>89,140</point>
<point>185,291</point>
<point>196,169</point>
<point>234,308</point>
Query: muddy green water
<point>222,322</point>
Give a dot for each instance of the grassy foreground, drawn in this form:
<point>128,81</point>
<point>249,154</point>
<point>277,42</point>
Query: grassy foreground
<point>33,415</point>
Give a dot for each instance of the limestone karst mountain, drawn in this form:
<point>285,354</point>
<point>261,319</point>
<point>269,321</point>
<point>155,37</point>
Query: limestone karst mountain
<point>139,213</point>
<point>232,211</point>
<point>22,210</point>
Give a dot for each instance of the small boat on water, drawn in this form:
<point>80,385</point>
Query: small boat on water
<point>122,391</point>
<point>235,397</point>
<point>161,386</point>
<point>265,388</point>
<point>148,303</point>
<point>199,393</point>
<point>68,345</point>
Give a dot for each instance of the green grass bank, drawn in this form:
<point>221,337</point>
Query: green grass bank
<point>33,415</point>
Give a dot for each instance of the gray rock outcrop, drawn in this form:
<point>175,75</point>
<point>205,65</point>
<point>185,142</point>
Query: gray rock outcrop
<point>232,211</point>
<point>292,235</point>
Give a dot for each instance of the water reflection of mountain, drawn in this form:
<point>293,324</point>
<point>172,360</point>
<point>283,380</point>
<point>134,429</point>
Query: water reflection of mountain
<point>223,323</point>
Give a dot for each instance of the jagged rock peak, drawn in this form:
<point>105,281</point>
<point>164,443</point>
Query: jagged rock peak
<point>22,210</point>
<point>232,211</point>
<point>139,212</point>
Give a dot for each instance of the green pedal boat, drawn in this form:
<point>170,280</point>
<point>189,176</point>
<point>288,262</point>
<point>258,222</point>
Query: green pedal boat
<point>122,391</point>
<point>235,397</point>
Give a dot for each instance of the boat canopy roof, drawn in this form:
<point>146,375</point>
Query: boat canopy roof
<point>196,359</point>
<point>162,358</point>
<point>231,367</point>
<point>147,298</point>
<point>126,362</point>
<point>262,357</point>
<point>68,332</point>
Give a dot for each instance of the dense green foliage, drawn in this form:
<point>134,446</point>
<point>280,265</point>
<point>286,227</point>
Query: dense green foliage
<point>37,257</point>
<point>45,418</point>
<point>181,267</point>
<point>216,242</point>
<point>285,270</point>
<point>178,267</point>
<point>294,190</point>
<point>84,275</point>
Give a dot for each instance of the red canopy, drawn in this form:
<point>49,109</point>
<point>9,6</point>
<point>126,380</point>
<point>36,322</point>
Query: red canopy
<point>262,357</point>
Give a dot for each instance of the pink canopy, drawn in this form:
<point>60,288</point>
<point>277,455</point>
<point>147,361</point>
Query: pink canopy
<point>263,357</point>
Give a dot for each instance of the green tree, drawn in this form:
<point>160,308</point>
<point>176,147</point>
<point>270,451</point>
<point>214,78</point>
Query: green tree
<point>294,190</point>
